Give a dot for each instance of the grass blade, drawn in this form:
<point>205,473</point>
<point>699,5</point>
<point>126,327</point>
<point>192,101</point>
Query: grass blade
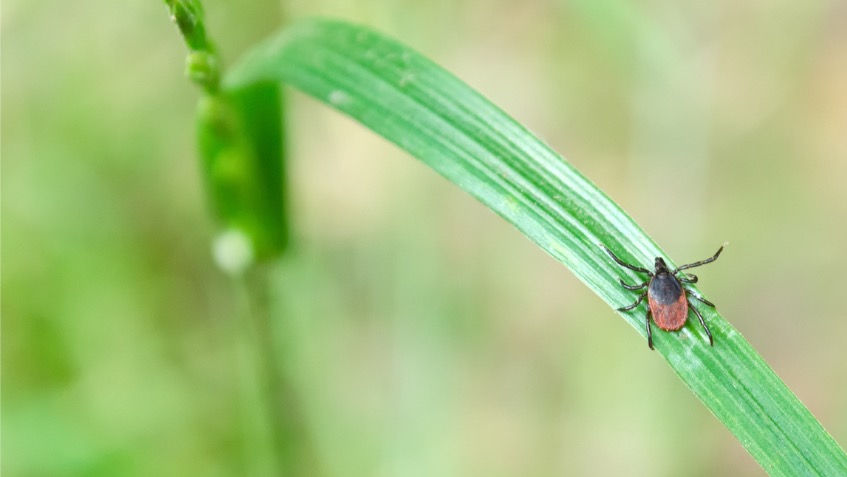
<point>435,117</point>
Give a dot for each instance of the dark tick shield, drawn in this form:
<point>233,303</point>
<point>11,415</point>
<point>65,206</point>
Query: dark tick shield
<point>666,297</point>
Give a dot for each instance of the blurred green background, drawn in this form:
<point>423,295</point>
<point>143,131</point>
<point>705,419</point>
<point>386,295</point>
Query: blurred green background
<point>416,333</point>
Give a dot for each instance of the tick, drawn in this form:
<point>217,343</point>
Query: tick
<point>666,297</point>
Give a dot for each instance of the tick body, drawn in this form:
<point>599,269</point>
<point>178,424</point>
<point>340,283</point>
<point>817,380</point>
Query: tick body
<point>666,295</point>
<point>667,302</point>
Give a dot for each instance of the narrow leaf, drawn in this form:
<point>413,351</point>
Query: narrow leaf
<point>412,102</point>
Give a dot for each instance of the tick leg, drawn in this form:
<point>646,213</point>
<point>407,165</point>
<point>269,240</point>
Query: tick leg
<point>700,298</point>
<point>700,317</point>
<point>624,264</point>
<point>649,331</point>
<point>639,300</point>
<point>688,278</point>
<point>634,287</point>
<point>701,262</point>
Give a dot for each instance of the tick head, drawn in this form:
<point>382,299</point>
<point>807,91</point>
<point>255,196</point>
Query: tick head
<point>661,266</point>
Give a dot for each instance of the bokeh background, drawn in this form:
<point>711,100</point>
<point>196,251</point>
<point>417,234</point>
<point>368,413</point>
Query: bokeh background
<point>415,332</point>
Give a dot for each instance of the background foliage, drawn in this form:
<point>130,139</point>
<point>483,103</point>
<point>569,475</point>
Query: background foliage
<point>423,334</point>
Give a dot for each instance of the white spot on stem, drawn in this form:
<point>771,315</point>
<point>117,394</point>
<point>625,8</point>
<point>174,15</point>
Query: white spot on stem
<point>233,251</point>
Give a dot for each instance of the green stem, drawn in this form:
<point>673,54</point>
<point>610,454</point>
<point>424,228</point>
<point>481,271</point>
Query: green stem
<point>258,377</point>
<point>240,139</point>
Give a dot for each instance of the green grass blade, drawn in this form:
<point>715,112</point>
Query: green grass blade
<point>412,102</point>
